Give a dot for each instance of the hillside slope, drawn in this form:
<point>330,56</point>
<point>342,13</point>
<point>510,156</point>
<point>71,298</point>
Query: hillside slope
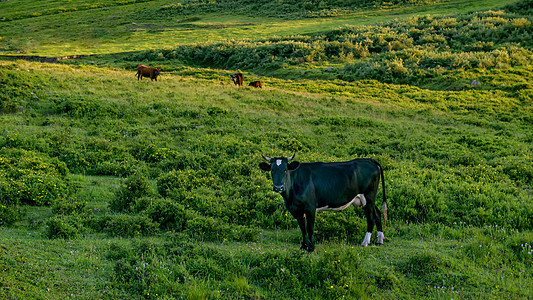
<point>113,187</point>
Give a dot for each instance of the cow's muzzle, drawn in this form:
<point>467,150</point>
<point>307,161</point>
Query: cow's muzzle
<point>278,189</point>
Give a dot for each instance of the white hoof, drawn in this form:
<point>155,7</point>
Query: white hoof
<point>366,241</point>
<point>380,238</point>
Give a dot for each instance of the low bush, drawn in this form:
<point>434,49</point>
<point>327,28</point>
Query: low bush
<point>523,7</point>
<point>65,227</point>
<point>134,187</point>
<point>334,274</point>
<point>122,168</point>
<point>126,225</point>
<point>346,225</point>
<point>31,178</point>
<point>10,213</point>
<point>181,181</point>
<point>69,206</point>
<point>210,229</point>
<point>168,214</point>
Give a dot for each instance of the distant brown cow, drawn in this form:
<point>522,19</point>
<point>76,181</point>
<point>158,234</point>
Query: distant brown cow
<point>256,84</point>
<point>238,79</point>
<point>145,71</point>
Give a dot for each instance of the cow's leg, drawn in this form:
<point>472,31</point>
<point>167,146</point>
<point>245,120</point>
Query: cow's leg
<point>370,214</point>
<point>377,220</point>
<point>369,224</point>
<point>301,223</point>
<point>373,217</point>
<point>310,216</point>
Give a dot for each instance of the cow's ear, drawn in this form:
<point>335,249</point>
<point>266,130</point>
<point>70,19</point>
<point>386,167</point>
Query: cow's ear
<point>293,165</point>
<point>264,166</point>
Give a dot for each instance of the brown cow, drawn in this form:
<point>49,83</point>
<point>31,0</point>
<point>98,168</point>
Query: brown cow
<point>238,79</point>
<point>145,71</point>
<point>256,84</point>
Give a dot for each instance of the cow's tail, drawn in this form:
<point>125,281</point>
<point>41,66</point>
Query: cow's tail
<point>384,206</point>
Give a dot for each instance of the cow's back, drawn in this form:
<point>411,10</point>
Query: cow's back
<point>140,68</point>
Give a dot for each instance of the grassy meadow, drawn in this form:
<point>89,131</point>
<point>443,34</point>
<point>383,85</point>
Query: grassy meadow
<point>116,188</point>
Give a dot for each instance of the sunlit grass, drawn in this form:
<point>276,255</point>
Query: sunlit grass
<point>163,197</point>
<point>116,29</point>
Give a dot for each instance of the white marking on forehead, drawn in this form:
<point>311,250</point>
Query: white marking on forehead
<point>278,162</point>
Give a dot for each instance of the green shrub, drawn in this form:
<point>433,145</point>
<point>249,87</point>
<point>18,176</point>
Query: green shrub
<point>10,213</point>
<point>152,154</point>
<point>113,167</point>
<point>76,161</point>
<point>334,274</point>
<point>129,225</point>
<point>69,206</point>
<point>65,227</point>
<point>30,177</point>
<point>183,181</point>
<point>168,214</point>
<point>185,160</point>
<point>210,229</point>
<point>518,168</point>
<point>134,187</point>
<point>344,225</point>
<point>524,7</point>
<point>80,107</point>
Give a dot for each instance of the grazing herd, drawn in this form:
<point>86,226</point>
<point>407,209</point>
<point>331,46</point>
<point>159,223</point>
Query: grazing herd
<point>311,187</point>
<point>152,73</point>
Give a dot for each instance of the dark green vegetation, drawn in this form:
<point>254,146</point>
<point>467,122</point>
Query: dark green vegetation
<point>114,188</point>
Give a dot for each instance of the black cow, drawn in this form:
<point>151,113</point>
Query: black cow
<point>238,78</point>
<point>311,187</point>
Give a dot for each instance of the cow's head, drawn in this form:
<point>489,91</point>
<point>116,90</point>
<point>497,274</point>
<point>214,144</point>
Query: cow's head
<point>279,167</point>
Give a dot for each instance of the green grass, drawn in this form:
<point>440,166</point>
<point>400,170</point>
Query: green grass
<point>116,188</point>
<point>111,29</point>
<point>418,184</point>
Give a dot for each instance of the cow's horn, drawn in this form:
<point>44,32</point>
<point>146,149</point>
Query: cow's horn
<point>290,158</point>
<point>266,158</point>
